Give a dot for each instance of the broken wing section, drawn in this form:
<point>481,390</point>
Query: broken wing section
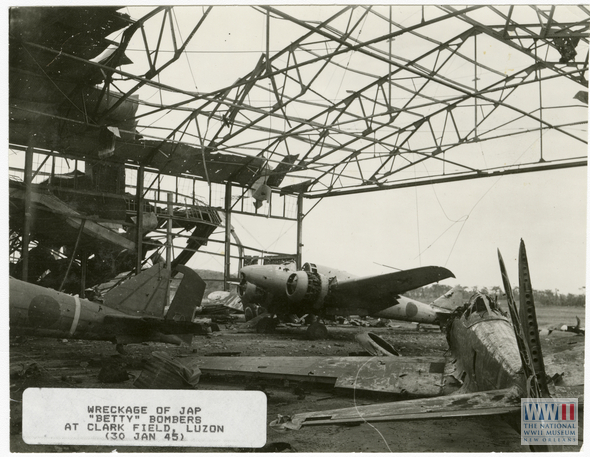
<point>473,404</point>
<point>378,292</point>
<point>406,376</point>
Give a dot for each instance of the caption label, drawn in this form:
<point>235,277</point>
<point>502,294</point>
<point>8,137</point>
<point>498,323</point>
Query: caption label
<point>195,418</point>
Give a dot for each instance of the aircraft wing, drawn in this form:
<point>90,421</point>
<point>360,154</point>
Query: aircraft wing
<point>472,404</point>
<point>411,376</point>
<point>379,291</point>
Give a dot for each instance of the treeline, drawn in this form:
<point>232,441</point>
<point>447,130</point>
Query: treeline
<point>546,297</point>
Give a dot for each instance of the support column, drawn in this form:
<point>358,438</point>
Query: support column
<point>298,260</point>
<point>227,259</point>
<point>139,221</point>
<point>73,256</point>
<point>84,266</point>
<point>475,81</point>
<point>28,211</point>
<point>169,246</point>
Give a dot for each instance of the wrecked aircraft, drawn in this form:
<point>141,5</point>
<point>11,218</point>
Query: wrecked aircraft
<point>407,309</point>
<point>577,329</point>
<point>317,290</point>
<point>267,178</point>
<point>132,312</point>
<point>494,359</point>
<point>99,250</point>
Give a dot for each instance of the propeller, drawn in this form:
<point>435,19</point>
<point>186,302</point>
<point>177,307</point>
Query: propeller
<point>533,390</point>
<point>529,324</point>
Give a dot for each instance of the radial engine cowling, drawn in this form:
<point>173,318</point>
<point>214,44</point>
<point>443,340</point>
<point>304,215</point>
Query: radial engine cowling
<point>307,288</point>
<point>250,293</point>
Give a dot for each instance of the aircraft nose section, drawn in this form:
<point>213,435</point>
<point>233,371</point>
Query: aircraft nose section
<point>246,273</point>
<point>243,284</point>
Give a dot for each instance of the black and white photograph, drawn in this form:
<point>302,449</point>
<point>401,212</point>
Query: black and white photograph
<point>296,227</point>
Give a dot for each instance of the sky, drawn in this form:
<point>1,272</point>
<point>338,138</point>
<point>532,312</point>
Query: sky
<point>459,226</point>
<point>456,225</point>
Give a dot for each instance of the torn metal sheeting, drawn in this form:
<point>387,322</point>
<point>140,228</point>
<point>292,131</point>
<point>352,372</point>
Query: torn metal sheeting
<point>375,345</point>
<point>163,372</point>
<point>73,219</point>
<point>422,376</point>
<point>478,403</point>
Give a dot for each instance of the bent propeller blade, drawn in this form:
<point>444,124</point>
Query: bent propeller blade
<point>529,324</point>
<point>518,331</point>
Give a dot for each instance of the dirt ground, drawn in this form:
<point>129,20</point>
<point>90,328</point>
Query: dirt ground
<point>43,362</point>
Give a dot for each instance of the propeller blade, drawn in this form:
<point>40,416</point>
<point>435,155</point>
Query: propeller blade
<point>529,370</point>
<point>529,324</point>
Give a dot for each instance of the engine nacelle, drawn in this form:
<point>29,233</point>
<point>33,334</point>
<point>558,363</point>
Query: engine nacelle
<point>307,288</point>
<point>250,293</point>
<point>297,285</point>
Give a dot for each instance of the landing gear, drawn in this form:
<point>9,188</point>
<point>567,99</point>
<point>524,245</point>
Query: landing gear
<point>249,313</point>
<point>316,331</point>
<point>252,310</point>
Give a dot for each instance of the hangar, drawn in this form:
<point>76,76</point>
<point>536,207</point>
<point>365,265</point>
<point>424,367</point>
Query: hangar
<point>137,133</point>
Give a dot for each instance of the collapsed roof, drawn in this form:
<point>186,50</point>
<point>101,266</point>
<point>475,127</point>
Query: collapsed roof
<point>359,97</point>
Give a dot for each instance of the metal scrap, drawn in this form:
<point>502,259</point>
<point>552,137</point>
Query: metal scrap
<point>375,345</point>
<point>164,372</point>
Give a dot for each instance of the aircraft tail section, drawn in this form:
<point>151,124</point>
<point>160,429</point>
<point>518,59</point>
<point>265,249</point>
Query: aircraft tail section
<point>188,295</point>
<point>141,295</point>
<point>145,294</point>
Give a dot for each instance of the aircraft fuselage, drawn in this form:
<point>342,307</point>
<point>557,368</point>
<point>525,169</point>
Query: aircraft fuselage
<point>38,311</point>
<point>317,289</point>
<point>407,309</point>
<point>483,343</point>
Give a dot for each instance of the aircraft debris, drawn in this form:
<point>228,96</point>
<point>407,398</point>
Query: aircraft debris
<point>420,376</point>
<point>131,313</point>
<point>480,403</point>
<point>164,372</point>
<point>63,214</point>
<point>566,328</point>
<point>489,354</point>
<point>375,345</point>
